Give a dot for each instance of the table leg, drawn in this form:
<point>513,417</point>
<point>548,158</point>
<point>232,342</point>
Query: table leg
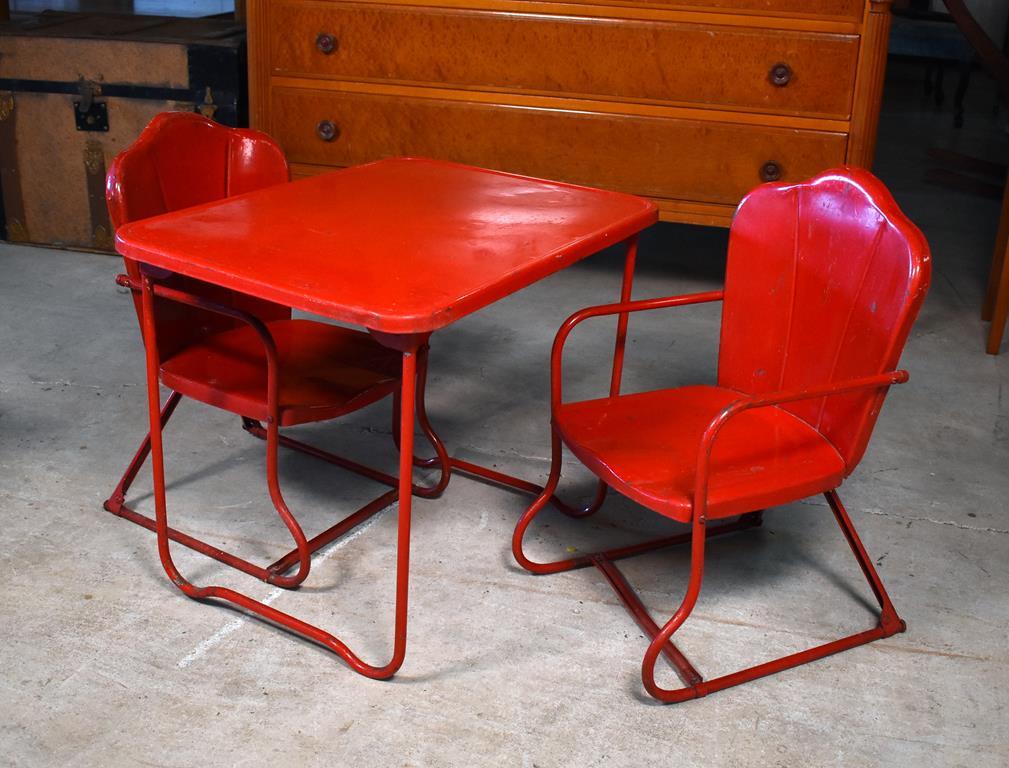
<point>630,259</point>
<point>996,302</point>
<point>500,478</point>
<point>406,422</point>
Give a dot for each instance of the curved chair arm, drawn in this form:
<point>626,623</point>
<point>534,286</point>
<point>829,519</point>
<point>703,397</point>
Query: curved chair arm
<point>750,402</point>
<point>619,308</point>
<point>272,357</point>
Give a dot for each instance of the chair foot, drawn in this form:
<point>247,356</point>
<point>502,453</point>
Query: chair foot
<point>688,674</point>
<point>325,639</point>
<point>704,687</point>
<point>334,532</point>
<point>115,502</point>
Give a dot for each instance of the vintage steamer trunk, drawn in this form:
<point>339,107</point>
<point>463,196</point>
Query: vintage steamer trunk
<point>689,102</point>
<point>77,89</point>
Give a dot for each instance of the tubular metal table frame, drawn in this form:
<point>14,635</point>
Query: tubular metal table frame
<point>413,348</point>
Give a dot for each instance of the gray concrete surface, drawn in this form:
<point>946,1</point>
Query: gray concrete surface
<point>105,663</point>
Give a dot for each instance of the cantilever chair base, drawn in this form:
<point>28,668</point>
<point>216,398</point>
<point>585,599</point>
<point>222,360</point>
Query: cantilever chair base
<point>694,684</point>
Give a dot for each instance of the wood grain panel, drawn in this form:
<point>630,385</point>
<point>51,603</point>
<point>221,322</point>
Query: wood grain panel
<point>66,59</point>
<point>869,85</point>
<point>604,58</point>
<point>55,184</point>
<point>705,214</point>
<point>799,14</point>
<point>622,152</point>
<point>844,8</point>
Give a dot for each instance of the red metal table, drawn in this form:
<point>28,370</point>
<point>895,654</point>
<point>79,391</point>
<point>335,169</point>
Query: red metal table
<point>401,247</point>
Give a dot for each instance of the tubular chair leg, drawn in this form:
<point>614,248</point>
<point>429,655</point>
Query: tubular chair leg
<point>544,494</point>
<point>267,612</point>
<point>448,463</point>
<point>301,543</point>
<point>889,623</point>
<point>694,684</point>
<point>441,458</point>
<point>750,520</point>
<point>116,504</point>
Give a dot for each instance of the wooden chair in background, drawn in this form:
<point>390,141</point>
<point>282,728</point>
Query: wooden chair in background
<point>996,63</point>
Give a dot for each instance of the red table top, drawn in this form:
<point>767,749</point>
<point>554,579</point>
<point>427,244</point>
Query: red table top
<point>401,246</point>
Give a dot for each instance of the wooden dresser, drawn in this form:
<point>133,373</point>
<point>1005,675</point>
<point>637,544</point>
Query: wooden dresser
<point>689,102</point>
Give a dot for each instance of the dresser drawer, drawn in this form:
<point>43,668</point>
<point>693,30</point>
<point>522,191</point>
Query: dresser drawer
<point>630,153</point>
<point>847,10</point>
<point>777,71</point>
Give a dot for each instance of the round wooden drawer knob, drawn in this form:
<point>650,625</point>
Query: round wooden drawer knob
<point>325,42</point>
<point>770,171</point>
<point>327,130</point>
<point>780,75</point>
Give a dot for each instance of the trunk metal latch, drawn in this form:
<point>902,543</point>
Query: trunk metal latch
<point>90,115</point>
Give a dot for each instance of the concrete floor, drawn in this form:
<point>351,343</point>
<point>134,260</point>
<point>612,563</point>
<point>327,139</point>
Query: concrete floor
<point>106,663</point>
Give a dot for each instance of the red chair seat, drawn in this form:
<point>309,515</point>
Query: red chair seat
<point>325,371</point>
<point>645,446</point>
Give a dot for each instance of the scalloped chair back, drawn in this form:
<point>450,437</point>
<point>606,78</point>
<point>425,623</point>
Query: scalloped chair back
<point>182,159</point>
<point>823,283</point>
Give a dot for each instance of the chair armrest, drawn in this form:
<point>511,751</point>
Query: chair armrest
<point>749,402</point>
<point>619,308</point>
<point>181,297</point>
<point>193,300</point>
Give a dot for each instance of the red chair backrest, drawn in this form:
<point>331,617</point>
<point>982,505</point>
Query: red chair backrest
<point>182,159</point>
<point>823,282</point>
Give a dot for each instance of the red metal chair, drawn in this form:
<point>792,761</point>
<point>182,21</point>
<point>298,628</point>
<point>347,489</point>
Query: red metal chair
<point>824,280</point>
<point>243,354</point>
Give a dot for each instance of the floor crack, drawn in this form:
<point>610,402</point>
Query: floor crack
<point>951,523</point>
